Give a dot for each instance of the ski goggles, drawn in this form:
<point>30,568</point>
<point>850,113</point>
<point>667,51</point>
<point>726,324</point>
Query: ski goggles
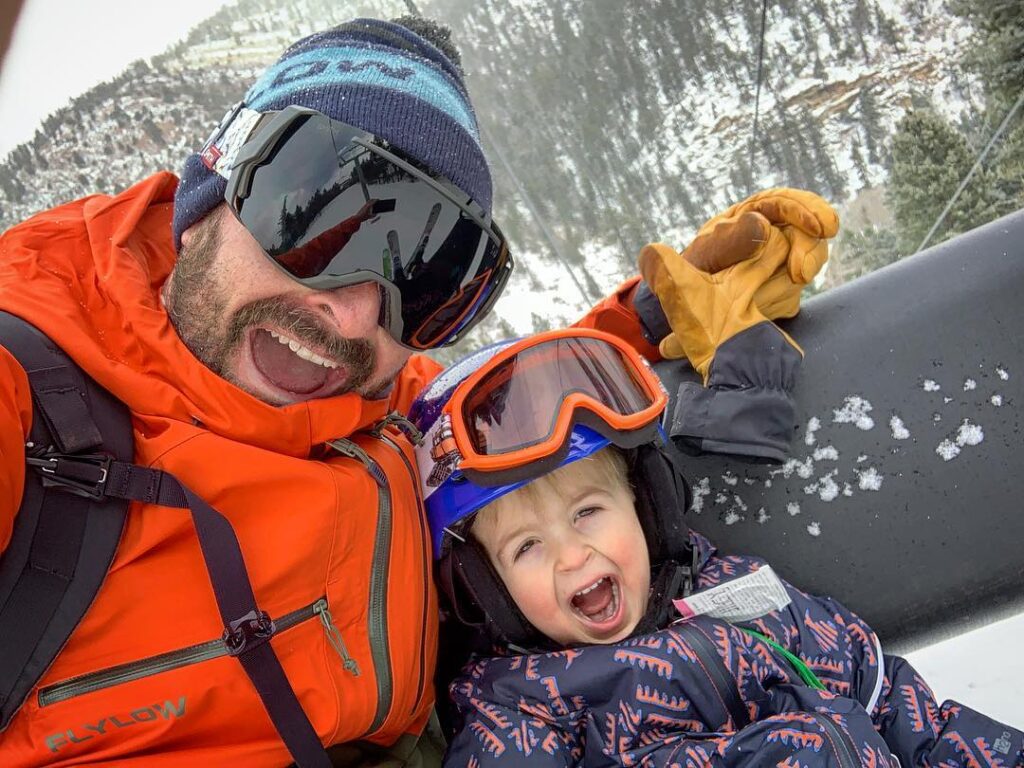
<point>512,419</point>
<point>331,207</point>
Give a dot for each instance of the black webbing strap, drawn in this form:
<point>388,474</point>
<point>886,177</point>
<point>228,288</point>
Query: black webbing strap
<point>247,629</point>
<point>69,524</point>
<point>62,544</point>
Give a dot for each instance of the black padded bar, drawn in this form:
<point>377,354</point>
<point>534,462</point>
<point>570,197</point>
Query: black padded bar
<point>938,547</point>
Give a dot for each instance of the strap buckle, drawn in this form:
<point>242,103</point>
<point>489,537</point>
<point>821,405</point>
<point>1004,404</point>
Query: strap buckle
<point>80,474</point>
<point>248,632</point>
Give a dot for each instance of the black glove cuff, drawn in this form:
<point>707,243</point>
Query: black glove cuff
<point>747,408</point>
<point>653,323</point>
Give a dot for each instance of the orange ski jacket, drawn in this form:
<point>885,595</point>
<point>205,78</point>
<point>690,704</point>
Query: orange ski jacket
<point>341,561</point>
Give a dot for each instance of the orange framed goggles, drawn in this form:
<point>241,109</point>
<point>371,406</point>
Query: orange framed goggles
<point>513,417</point>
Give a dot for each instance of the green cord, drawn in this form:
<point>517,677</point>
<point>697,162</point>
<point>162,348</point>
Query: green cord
<point>805,672</point>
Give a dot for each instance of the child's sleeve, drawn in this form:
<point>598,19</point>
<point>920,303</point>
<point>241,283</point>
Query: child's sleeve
<point>506,733</point>
<point>848,657</point>
<point>808,739</point>
<point>922,733</point>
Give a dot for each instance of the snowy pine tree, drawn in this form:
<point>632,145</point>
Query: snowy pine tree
<point>929,159</point>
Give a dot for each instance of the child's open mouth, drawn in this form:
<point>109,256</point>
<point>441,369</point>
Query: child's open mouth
<point>598,604</point>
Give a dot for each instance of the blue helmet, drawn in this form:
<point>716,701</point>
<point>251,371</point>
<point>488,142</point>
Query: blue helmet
<point>455,499</point>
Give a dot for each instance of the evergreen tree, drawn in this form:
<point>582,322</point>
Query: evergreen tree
<point>998,53</point>
<point>929,160</point>
<point>860,251</point>
<point>997,57</point>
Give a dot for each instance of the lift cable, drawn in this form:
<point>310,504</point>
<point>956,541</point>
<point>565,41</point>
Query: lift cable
<point>970,174</point>
<point>757,96</point>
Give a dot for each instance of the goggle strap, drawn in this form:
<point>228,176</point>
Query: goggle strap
<point>222,147</point>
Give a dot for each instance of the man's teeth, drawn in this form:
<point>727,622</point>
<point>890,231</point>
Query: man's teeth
<point>303,352</point>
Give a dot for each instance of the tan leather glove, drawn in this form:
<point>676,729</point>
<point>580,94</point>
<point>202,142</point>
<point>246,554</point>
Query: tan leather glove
<point>703,308</point>
<point>807,222</point>
<point>740,270</point>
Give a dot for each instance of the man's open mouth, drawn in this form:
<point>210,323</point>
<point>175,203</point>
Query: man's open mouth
<point>291,366</point>
<point>598,604</point>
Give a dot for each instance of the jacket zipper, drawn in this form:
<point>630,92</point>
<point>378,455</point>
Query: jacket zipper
<point>164,662</point>
<point>378,616</point>
<point>424,557</point>
<point>846,751</point>
<point>717,673</point>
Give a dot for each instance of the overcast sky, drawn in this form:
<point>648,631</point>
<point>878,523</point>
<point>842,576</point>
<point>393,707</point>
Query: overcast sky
<point>63,47</point>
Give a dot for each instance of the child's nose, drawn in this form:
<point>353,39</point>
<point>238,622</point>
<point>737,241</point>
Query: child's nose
<point>573,553</point>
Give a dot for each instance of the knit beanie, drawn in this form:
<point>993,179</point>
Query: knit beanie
<point>377,76</point>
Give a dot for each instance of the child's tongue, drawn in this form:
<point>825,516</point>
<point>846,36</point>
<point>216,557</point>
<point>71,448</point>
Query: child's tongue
<point>595,602</point>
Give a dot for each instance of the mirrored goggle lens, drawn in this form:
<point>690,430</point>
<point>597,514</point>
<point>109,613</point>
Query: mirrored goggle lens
<point>330,211</point>
<point>517,404</point>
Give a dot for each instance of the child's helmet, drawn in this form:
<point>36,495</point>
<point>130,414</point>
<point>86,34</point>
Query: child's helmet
<point>517,410</point>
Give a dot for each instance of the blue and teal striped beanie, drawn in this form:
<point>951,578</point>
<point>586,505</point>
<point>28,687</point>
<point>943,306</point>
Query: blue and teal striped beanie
<point>375,75</point>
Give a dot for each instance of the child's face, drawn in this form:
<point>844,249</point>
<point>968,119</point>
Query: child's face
<point>572,554</point>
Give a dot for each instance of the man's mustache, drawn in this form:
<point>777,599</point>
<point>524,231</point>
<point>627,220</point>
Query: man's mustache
<point>305,327</point>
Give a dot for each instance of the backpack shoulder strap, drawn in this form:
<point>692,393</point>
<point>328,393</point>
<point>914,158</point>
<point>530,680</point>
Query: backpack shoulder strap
<point>62,543</point>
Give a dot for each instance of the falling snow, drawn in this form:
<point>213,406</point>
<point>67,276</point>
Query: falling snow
<point>930,386</point>
<point>854,411</point>
<point>947,449</point>
<point>814,529</point>
<point>793,508</point>
<point>899,431</point>
<point>1002,374</point>
<point>970,384</point>
<point>996,400</point>
<point>729,478</point>
<point>762,516</point>
<point>732,517</point>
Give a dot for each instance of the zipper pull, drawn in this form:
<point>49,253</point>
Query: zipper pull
<point>398,420</point>
<point>334,637</point>
<point>353,451</point>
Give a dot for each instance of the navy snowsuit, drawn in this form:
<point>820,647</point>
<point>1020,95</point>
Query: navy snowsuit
<point>705,693</point>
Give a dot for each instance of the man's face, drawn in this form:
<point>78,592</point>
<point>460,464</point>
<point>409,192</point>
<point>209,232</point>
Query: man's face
<point>572,554</point>
<point>269,335</point>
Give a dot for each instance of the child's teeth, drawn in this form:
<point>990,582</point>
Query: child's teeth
<point>591,588</point>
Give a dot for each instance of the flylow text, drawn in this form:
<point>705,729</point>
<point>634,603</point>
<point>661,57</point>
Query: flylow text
<point>104,725</point>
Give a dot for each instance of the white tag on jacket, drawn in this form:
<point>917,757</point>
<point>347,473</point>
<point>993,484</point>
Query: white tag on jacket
<point>738,600</point>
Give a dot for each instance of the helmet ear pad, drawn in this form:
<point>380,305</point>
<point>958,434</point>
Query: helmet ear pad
<point>479,598</point>
<point>662,499</point>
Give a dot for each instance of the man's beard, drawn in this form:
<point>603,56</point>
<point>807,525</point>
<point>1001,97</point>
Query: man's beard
<point>197,307</point>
